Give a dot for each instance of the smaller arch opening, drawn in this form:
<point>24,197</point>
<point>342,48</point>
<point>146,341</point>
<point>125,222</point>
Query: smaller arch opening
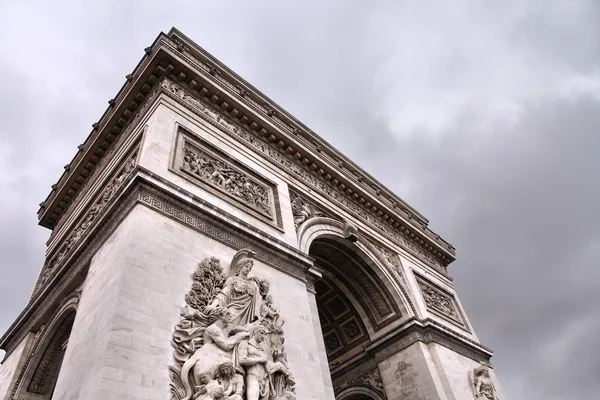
<point>358,393</point>
<point>47,367</point>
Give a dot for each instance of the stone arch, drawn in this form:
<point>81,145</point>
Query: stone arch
<point>40,374</point>
<point>360,297</point>
<point>320,227</point>
<point>359,393</point>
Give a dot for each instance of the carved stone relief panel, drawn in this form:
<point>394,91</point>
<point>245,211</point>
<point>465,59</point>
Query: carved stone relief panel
<point>482,384</point>
<point>229,343</point>
<point>440,302</point>
<point>207,166</point>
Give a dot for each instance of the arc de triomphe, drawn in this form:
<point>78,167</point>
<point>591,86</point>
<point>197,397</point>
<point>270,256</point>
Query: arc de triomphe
<point>207,245</point>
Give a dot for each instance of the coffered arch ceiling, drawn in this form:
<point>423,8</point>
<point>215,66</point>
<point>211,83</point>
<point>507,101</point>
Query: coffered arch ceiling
<point>353,301</point>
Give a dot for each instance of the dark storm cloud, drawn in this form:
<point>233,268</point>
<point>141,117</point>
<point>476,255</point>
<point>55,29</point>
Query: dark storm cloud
<point>483,116</point>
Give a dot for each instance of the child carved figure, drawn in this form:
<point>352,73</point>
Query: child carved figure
<point>209,389</point>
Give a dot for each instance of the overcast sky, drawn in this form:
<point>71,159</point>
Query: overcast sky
<point>482,115</point>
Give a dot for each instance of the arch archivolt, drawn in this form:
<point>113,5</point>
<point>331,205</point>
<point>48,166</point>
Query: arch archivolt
<point>316,227</point>
<point>38,375</point>
<point>359,393</point>
<point>390,275</point>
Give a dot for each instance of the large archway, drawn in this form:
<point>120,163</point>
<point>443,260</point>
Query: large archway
<point>356,303</point>
<point>359,393</point>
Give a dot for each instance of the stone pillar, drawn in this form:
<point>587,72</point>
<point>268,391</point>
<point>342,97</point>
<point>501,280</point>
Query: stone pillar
<point>410,375</point>
<point>321,355</point>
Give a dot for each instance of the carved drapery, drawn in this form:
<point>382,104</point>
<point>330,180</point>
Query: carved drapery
<point>229,341</point>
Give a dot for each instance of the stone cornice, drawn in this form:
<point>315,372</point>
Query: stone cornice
<point>427,331</point>
<point>409,332</point>
<point>176,56</point>
<point>147,189</point>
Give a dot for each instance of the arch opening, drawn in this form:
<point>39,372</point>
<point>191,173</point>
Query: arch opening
<point>47,370</point>
<point>354,304</point>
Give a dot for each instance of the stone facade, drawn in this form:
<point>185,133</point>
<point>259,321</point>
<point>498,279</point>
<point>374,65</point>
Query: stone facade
<point>205,244</point>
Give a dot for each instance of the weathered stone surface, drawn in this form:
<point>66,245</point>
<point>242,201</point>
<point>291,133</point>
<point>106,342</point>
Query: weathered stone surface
<point>12,365</point>
<point>188,167</point>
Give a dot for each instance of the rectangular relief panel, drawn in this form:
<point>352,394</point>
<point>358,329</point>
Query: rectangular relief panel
<point>205,165</point>
<point>441,302</point>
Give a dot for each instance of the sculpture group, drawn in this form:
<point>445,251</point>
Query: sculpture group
<point>229,342</point>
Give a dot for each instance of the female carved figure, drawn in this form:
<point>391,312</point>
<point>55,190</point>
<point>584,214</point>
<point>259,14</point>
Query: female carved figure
<point>240,295</point>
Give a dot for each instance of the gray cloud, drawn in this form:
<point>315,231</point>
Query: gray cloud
<point>482,116</point>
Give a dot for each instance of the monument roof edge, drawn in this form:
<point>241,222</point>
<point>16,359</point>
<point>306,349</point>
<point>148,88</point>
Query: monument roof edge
<point>96,143</point>
<point>174,32</point>
<point>379,191</point>
<point>348,176</point>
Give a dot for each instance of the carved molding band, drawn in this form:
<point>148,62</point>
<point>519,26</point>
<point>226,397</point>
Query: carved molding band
<point>103,198</point>
<point>216,229</point>
<point>197,160</point>
<point>268,249</point>
<point>440,302</point>
<point>430,331</point>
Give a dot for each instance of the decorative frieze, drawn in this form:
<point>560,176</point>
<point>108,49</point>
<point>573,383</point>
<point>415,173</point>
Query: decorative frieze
<point>402,235</point>
<point>84,224</point>
<point>120,116</point>
<point>121,141</point>
<point>267,110</point>
<point>440,302</point>
<point>211,168</point>
<point>303,210</point>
